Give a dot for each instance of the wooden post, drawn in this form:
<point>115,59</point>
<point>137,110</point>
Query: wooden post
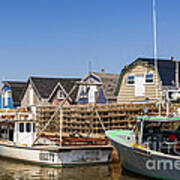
<point>52,117</point>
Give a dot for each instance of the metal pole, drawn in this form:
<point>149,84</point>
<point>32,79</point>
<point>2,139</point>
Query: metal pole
<point>167,108</point>
<point>60,124</point>
<point>159,109</point>
<point>155,47</point>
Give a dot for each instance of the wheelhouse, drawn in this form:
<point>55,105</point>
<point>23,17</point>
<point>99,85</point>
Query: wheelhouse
<point>159,134</point>
<point>18,131</point>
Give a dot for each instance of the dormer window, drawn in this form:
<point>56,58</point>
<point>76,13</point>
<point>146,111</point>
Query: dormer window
<point>83,93</point>
<point>149,78</point>
<point>60,94</point>
<point>130,80</point>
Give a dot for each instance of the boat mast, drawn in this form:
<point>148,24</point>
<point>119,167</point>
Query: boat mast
<point>155,53</point>
<point>155,46</point>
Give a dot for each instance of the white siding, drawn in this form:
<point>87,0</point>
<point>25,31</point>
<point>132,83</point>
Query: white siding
<point>31,97</point>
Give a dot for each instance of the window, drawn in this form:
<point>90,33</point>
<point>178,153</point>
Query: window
<point>28,127</point>
<point>83,92</point>
<point>21,127</point>
<point>7,95</point>
<point>130,80</point>
<point>149,78</point>
<point>60,94</point>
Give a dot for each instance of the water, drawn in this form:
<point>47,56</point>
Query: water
<point>11,170</point>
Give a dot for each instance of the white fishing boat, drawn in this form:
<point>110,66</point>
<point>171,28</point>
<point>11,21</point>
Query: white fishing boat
<point>20,140</point>
<point>151,148</point>
<point>17,138</point>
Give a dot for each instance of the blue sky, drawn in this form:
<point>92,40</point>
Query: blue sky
<point>59,37</point>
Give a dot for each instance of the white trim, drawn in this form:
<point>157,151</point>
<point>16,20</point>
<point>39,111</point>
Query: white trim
<point>6,98</point>
<point>61,87</point>
<point>91,74</point>
<point>149,82</point>
<point>31,96</point>
<point>34,87</point>
<point>83,80</point>
<point>126,80</point>
<point>30,82</point>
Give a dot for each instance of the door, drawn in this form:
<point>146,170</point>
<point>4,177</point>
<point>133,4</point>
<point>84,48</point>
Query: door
<point>139,86</point>
<point>92,94</point>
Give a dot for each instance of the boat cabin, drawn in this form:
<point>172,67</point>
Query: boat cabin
<point>18,132</point>
<point>159,133</point>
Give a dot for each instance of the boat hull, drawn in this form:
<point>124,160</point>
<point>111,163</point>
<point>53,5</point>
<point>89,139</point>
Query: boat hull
<point>58,157</point>
<point>135,160</point>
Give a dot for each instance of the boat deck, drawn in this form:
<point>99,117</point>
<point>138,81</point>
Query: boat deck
<point>53,147</point>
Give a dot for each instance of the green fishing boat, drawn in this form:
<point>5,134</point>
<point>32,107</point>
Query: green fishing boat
<point>151,148</point>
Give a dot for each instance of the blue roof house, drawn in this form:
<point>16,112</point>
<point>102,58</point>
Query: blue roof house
<point>11,92</point>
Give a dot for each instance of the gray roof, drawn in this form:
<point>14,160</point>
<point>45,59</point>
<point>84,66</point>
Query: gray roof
<point>17,88</point>
<point>45,86</point>
<point>110,82</point>
<point>166,70</point>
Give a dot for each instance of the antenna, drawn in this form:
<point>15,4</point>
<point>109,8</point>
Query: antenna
<point>90,67</point>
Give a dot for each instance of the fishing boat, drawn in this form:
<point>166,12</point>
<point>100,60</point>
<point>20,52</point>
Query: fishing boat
<point>151,148</point>
<point>16,142</point>
<point>20,140</point>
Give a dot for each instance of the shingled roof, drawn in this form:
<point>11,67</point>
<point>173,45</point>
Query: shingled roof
<point>110,82</point>
<point>166,70</point>
<point>17,88</point>
<point>45,86</point>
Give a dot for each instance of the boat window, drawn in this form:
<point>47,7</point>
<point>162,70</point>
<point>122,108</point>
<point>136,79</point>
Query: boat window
<point>34,127</point>
<point>21,127</point>
<point>28,127</point>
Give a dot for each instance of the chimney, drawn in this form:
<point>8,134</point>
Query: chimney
<point>102,70</point>
<point>172,58</point>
